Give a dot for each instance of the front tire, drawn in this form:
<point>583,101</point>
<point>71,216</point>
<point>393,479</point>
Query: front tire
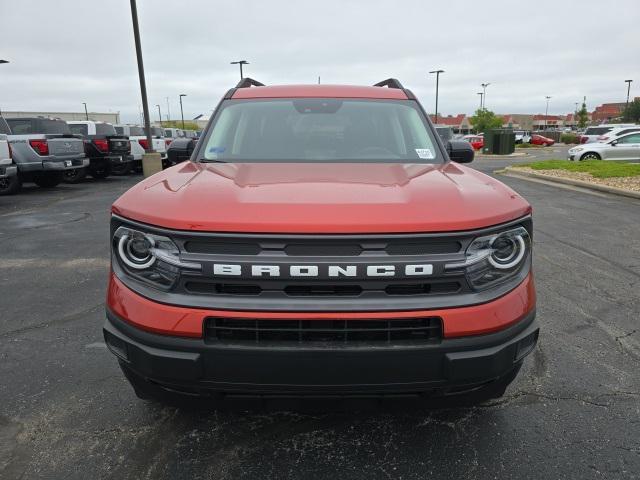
<point>75,175</point>
<point>48,180</point>
<point>10,185</point>
<point>590,156</point>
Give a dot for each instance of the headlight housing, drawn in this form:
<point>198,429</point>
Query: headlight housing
<point>576,149</point>
<point>150,258</point>
<point>494,259</point>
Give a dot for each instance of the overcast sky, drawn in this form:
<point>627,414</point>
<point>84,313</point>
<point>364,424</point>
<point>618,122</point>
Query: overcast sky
<point>67,52</point>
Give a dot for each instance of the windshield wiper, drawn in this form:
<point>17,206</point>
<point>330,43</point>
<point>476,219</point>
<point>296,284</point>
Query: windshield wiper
<point>207,160</point>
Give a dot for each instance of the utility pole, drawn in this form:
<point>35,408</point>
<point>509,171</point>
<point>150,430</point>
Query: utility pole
<point>318,79</point>
<point>481,94</point>
<point>1,62</point>
<point>546,112</point>
<point>628,82</point>
<point>181,112</point>
<point>159,114</point>
<point>143,84</point>
<point>437,72</point>
<point>168,110</point>
<point>241,63</point>
<point>86,114</point>
<point>484,95</point>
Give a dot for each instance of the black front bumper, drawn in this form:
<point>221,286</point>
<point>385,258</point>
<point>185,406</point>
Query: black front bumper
<point>196,366</point>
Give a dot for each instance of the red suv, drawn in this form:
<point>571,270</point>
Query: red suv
<point>322,240</point>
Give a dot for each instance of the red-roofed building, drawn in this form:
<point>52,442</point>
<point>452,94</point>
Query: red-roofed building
<point>459,124</point>
<point>542,122</point>
<point>608,111</point>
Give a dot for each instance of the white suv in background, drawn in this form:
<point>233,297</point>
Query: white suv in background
<point>591,134</point>
<point>618,132</point>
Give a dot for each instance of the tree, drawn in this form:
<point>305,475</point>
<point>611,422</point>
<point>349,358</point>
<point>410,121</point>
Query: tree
<point>632,112</point>
<point>583,116</point>
<point>484,120</point>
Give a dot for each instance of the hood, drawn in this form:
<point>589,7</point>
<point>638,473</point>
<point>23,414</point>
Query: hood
<point>320,198</point>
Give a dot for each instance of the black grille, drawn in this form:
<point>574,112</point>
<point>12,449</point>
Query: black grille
<point>321,289</point>
<point>378,331</point>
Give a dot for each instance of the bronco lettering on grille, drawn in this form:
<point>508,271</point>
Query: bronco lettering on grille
<point>328,271</point>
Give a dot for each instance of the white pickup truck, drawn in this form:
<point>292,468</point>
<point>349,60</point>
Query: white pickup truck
<point>9,181</point>
<point>139,142</point>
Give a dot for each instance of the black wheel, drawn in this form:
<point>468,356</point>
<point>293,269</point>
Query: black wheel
<point>48,180</point>
<point>590,156</point>
<point>10,185</point>
<point>75,175</point>
<point>120,169</point>
<point>100,171</point>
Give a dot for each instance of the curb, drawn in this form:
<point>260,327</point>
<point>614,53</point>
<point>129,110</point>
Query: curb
<point>514,172</point>
<point>506,157</point>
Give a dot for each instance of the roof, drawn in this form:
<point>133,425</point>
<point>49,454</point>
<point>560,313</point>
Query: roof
<point>547,117</point>
<point>449,120</point>
<point>320,91</point>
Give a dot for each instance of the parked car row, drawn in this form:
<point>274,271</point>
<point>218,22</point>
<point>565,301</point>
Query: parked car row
<point>616,146</point>
<point>48,151</point>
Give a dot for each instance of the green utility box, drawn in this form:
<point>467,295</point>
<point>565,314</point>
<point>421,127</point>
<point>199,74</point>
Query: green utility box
<point>500,141</point>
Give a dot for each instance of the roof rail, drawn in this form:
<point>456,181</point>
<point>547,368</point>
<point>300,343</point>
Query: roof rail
<point>249,82</point>
<point>391,83</point>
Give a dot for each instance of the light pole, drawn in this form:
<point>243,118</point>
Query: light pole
<point>159,114</point>
<point>437,72</point>
<point>86,114</point>
<point>484,95</point>
<point>628,82</point>
<point>546,112</point>
<point>168,110</point>
<point>143,84</point>
<point>481,94</point>
<point>241,63</point>
<point>181,112</point>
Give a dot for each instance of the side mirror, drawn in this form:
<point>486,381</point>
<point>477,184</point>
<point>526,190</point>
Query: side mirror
<point>460,151</point>
<point>614,143</point>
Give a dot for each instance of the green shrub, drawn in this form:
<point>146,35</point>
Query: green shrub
<point>569,138</point>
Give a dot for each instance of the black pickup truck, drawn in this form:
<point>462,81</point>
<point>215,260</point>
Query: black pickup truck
<point>108,152</point>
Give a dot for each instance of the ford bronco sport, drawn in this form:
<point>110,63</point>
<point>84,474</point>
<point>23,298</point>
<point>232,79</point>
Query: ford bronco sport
<point>321,241</point>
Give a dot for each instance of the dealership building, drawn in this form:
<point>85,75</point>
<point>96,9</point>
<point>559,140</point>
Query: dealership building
<point>98,116</point>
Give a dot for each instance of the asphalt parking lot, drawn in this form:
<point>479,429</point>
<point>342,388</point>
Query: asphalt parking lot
<point>67,412</point>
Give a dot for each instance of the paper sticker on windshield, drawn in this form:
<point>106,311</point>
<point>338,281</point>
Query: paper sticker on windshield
<point>425,153</point>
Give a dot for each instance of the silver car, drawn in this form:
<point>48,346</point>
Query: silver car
<point>625,147</point>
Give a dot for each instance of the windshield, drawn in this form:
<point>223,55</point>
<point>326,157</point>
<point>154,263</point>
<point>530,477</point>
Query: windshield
<point>156,132</point>
<point>79,128</point>
<point>105,129</point>
<point>596,130</point>
<point>320,130</point>
<point>136,131</point>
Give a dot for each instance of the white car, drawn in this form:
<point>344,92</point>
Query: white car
<point>625,147</point>
<point>618,132</point>
<point>136,134</point>
<point>591,134</point>
<point>522,136</point>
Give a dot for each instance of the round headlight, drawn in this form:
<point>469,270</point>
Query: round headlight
<point>508,251</point>
<point>135,250</point>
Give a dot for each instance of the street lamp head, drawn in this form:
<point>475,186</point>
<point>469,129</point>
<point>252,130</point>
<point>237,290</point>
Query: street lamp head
<point>240,62</point>
<point>437,71</point>
<point>628,81</point>
<point>484,85</point>
<point>4,61</point>
<point>183,95</point>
